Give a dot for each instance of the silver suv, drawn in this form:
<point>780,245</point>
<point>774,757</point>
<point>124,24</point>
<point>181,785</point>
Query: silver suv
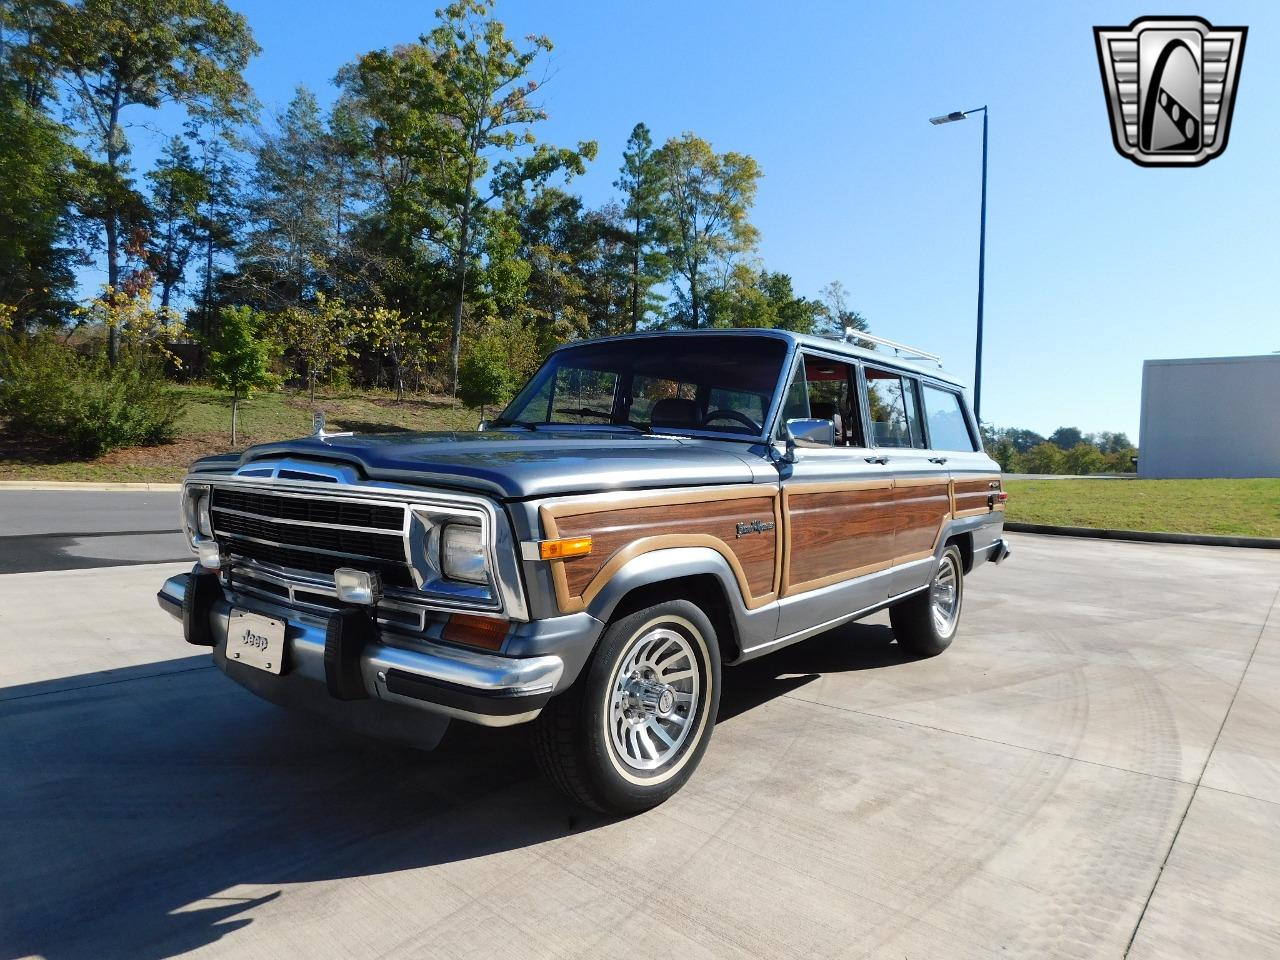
<point>647,510</point>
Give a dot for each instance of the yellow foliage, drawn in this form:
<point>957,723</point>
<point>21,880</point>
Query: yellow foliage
<point>144,328</point>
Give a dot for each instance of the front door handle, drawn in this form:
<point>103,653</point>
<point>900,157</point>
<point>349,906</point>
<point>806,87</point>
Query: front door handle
<point>938,460</point>
<point>876,459</point>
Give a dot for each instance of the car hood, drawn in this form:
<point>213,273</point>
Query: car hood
<point>519,464</point>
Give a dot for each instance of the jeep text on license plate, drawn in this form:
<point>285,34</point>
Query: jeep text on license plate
<point>255,640</point>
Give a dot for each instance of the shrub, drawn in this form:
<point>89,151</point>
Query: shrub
<point>484,377</point>
<point>51,392</point>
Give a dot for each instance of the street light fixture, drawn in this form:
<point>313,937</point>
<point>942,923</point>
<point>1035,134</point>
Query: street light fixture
<point>982,250</point>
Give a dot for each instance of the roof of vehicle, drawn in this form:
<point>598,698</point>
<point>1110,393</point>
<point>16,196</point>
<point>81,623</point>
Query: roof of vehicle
<point>829,344</point>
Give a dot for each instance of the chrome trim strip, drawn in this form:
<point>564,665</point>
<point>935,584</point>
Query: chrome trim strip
<point>218,534</point>
<point>832,624</point>
<point>385,531</point>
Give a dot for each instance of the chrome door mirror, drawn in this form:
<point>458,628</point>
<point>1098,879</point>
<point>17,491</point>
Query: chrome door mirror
<point>482,426</point>
<point>809,433</point>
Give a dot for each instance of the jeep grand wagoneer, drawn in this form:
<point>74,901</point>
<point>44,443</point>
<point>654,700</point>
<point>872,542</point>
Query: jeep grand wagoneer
<point>648,509</point>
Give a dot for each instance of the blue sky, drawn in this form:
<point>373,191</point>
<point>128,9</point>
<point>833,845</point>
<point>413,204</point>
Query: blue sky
<point>1093,263</point>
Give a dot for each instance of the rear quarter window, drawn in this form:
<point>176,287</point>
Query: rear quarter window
<point>948,428</point>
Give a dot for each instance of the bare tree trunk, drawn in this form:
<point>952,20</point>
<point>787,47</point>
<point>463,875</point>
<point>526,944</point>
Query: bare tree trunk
<point>460,269</point>
<point>235,412</point>
<point>635,279</point>
<point>112,224</point>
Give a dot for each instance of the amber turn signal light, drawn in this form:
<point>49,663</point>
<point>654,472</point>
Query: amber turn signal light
<point>485,632</point>
<point>564,548</point>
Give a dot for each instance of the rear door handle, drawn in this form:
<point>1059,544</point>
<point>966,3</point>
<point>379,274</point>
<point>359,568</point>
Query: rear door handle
<point>938,460</point>
<point>876,459</point>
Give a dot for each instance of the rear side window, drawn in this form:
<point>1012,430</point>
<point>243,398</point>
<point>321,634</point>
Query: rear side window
<point>895,418</point>
<point>948,429</point>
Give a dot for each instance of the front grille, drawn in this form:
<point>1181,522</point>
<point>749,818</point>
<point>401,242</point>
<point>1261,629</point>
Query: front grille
<point>311,510</point>
<point>256,526</point>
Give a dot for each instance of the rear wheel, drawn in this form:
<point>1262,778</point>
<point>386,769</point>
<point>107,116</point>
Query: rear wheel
<point>634,727</point>
<point>926,622</point>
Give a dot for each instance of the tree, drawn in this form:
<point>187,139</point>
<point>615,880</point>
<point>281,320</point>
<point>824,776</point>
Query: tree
<point>704,204</point>
<point>760,298</point>
<point>1113,442</point>
<point>641,187</point>
<point>118,54</point>
<point>292,210</point>
<point>38,183</point>
<point>460,104</point>
<point>390,332</point>
<point>1003,452</point>
<point>1066,437</point>
<point>241,358</point>
<point>485,374</point>
<point>839,315</point>
<point>1043,458</point>
<point>178,190</point>
<point>221,215</point>
<point>321,337</point>
<point>1082,459</point>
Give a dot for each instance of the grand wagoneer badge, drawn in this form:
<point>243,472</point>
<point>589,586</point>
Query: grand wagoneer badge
<point>1170,84</point>
<point>754,526</point>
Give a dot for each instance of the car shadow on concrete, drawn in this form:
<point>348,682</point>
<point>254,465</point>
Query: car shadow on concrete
<point>146,813</point>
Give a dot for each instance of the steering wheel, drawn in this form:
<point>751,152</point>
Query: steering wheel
<point>741,418</point>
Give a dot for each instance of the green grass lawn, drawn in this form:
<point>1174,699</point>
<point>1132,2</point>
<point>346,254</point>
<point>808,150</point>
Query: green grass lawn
<point>1249,508</point>
<point>205,428</point>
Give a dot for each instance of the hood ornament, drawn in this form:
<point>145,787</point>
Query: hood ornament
<point>318,431</point>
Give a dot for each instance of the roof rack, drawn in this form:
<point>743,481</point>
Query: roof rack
<point>852,334</point>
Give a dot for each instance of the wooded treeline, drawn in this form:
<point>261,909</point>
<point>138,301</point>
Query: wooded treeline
<point>419,225</point>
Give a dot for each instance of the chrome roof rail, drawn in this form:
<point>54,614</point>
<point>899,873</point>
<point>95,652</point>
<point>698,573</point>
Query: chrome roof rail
<point>852,334</point>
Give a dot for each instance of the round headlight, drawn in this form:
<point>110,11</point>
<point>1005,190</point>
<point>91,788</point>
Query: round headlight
<point>462,555</point>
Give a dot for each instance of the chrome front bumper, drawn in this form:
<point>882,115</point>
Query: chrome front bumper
<point>451,681</point>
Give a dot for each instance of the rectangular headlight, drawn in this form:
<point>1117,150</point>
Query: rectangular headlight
<point>462,555</point>
<point>195,511</point>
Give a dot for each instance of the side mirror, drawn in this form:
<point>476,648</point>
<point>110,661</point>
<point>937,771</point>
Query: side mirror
<point>809,433</point>
<point>482,426</point>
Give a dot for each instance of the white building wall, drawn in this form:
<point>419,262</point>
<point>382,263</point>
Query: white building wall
<point>1211,417</point>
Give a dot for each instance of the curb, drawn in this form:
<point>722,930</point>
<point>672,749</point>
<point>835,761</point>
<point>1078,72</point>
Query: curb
<point>1146,536</point>
<point>120,487</point>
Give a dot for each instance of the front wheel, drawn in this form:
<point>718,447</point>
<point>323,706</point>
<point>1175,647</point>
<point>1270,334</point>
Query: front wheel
<point>633,728</point>
<point>926,622</point>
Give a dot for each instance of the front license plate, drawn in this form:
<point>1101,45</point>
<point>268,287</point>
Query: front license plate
<point>256,640</point>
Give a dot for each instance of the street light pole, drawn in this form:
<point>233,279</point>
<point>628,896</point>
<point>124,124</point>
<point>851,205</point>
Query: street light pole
<point>982,253</point>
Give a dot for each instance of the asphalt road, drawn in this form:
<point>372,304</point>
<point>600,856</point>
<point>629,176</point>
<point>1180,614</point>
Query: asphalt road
<point>67,530</point>
<point>1092,770</point>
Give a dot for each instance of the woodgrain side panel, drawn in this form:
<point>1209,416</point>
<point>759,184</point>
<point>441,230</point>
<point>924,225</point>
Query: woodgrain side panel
<point>835,535</point>
<point>615,530</point>
<point>921,509</point>
<point>972,491</point>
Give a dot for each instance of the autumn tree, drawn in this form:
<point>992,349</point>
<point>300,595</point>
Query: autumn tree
<point>704,206</point>
<point>321,335</point>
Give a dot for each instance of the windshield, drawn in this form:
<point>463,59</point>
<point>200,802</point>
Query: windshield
<point>674,381</point>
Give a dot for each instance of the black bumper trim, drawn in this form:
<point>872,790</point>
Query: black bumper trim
<point>496,704</point>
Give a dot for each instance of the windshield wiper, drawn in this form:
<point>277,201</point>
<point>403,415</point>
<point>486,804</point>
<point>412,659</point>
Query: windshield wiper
<point>515,423</point>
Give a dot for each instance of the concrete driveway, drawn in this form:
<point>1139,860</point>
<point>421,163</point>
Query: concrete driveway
<point>1093,770</point>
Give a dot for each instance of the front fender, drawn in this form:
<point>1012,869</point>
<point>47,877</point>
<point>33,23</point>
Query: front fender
<point>674,563</point>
